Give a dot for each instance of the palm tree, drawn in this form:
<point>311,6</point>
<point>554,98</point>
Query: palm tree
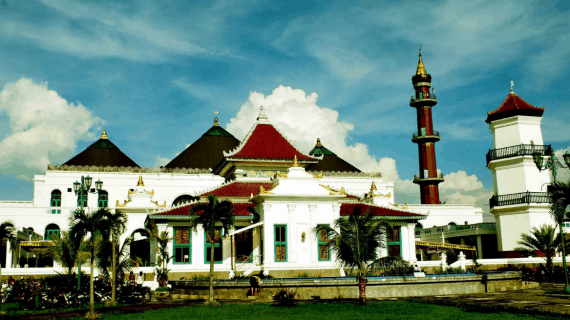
<point>65,252</point>
<point>7,230</point>
<point>117,223</point>
<point>355,242</point>
<point>559,193</point>
<point>208,215</point>
<point>91,225</point>
<point>543,239</point>
<point>163,257</point>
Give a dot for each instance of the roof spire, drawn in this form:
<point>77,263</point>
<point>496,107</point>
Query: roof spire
<point>373,186</point>
<point>319,144</point>
<point>262,118</point>
<point>295,162</point>
<point>216,124</point>
<point>421,71</point>
<point>512,84</point>
<point>140,183</point>
<point>104,135</point>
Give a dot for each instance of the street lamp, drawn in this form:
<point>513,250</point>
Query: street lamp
<point>80,189</point>
<point>551,163</point>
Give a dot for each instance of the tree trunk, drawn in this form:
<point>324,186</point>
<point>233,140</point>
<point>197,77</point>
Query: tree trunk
<point>91,292</point>
<point>211,298</point>
<point>1,286</point>
<point>361,290</point>
<point>114,274</point>
<point>566,288</point>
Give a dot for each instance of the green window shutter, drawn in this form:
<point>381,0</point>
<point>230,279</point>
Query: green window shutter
<point>395,243</point>
<point>323,249</point>
<point>182,245</point>
<point>280,237</point>
<point>217,241</point>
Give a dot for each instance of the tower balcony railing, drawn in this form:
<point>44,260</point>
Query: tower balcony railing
<point>519,198</point>
<point>431,99</point>
<point>452,228</point>
<point>418,177</point>
<point>420,135</point>
<point>518,150</point>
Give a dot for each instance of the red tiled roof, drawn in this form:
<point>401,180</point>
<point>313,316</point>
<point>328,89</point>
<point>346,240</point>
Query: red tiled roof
<point>266,143</point>
<point>238,189</point>
<point>512,106</point>
<point>240,209</point>
<point>347,208</point>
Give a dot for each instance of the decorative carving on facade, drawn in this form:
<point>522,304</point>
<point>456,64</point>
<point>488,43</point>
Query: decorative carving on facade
<point>160,206</point>
<point>334,192</point>
<point>263,191</point>
<point>118,205</point>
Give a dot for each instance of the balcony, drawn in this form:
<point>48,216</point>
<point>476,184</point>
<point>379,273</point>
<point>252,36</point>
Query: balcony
<point>518,150</point>
<point>519,198</point>
<point>424,101</point>
<point>425,137</point>
<point>451,228</point>
<point>418,179</point>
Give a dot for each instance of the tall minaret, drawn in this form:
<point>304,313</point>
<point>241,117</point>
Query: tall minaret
<point>520,201</point>
<point>428,178</point>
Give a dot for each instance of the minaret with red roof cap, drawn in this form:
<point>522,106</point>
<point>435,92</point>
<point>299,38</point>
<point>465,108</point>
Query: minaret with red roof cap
<point>426,137</point>
<point>520,201</point>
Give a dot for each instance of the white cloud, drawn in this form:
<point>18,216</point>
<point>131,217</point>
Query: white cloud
<point>460,181</point>
<point>302,121</point>
<point>44,127</point>
<point>562,174</point>
<point>161,161</point>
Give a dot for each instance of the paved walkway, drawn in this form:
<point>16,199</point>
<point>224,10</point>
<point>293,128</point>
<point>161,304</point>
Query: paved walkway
<point>546,297</point>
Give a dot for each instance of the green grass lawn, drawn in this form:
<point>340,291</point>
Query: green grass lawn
<point>329,311</point>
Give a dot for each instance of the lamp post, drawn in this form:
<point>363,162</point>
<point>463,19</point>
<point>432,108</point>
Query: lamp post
<point>552,163</point>
<point>83,188</point>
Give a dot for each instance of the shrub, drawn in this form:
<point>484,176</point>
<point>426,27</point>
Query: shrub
<point>285,298</point>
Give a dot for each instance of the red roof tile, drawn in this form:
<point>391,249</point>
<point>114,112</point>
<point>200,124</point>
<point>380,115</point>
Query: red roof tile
<point>240,209</point>
<point>347,208</point>
<point>238,189</point>
<point>266,143</point>
<point>513,106</point>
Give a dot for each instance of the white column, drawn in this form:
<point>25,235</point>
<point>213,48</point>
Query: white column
<point>412,241</point>
<point>405,245</point>
<point>8,256</point>
<point>313,252</point>
<point>268,245</point>
<point>291,238</point>
<point>256,233</point>
<point>479,247</point>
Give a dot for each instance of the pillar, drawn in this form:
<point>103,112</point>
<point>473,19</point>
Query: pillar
<point>412,242</point>
<point>479,247</point>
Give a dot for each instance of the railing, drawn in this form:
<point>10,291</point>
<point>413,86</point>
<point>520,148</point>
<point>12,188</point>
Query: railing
<point>448,228</point>
<point>518,150</point>
<point>417,177</point>
<point>430,97</point>
<point>519,198</point>
<point>418,134</point>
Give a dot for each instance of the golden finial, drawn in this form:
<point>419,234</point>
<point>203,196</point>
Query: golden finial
<point>104,135</point>
<point>373,186</point>
<point>319,144</point>
<point>421,71</point>
<point>140,183</point>
<point>295,162</point>
<point>216,124</point>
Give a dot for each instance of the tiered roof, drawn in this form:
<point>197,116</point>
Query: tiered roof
<point>206,152</point>
<point>380,211</point>
<point>183,212</point>
<point>265,142</point>
<point>237,189</point>
<point>102,153</point>
<point>514,106</point>
<point>330,162</point>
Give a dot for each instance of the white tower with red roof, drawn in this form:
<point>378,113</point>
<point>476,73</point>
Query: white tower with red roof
<point>519,202</point>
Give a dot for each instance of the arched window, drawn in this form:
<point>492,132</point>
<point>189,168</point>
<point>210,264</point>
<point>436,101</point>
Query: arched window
<point>103,199</point>
<point>52,231</point>
<point>82,199</point>
<point>419,226</point>
<point>55,200</point>
<point>183,199</point>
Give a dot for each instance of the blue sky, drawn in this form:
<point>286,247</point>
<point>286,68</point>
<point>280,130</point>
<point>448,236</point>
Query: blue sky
<point>152,73</point>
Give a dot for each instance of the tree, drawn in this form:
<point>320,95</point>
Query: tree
<point>116,226</point>
<point>90,226</point>
<point>65,252</point>
<point>543,239</point>
<point>8,231</point>
<point>355,241</point>
<point>559,193</point>
<point>209,216</point>
<point>163,257</point>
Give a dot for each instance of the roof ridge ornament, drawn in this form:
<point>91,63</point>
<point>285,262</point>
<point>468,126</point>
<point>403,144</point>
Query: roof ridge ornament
<point>295,162</point>
<point>319,144</point>
<point>140,183</point>
<point>512,84</point>
<point>262,118</point>
<point>104,135</point>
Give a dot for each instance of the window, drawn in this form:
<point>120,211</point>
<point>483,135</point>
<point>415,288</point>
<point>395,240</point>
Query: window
<point>103,199</point>
<point>324,249</point>
<point>280,243</point>
<point>244,245</point>
<point>421,95</point>
<point>182,245</point>
<point>82,199</point>
<point>52,232</point>
<point>395,243</point>
<point>55,201</point>
<point>217,242</point>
